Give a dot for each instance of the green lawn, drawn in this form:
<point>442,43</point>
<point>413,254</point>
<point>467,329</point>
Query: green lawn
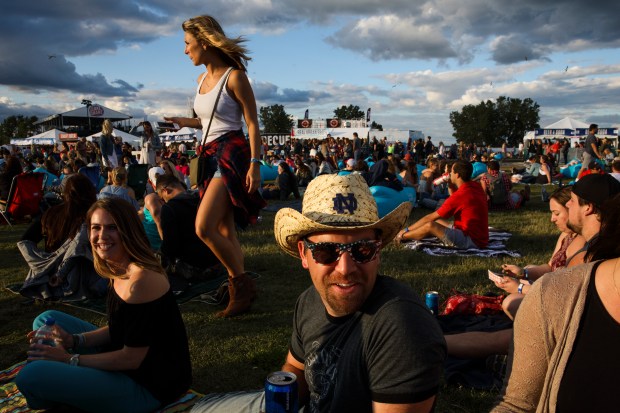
<point>239,353</point>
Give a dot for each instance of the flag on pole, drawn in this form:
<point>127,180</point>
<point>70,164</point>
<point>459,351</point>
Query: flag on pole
<point>368,115</point>
<point>307,114</point>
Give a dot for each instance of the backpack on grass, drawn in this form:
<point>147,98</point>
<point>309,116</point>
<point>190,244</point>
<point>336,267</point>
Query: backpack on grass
<point>497,190</point>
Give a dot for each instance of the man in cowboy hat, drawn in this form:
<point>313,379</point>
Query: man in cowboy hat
<point>361,341</point>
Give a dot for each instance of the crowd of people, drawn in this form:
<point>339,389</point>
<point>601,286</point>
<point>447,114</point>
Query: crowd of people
<point>360,341</point>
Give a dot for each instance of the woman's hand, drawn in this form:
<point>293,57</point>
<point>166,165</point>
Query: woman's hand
<point>512,270</point>
<point>252,180</point>
<point>45,352</point>
<point>508,284</point>
<point>175,119</point>
<point>66,339</point>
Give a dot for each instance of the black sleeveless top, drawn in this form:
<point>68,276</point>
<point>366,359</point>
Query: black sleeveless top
<point>590,380</point>
<point>166,371</point>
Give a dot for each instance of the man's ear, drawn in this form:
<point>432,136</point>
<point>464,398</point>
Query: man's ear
<point>302,254</point>
<point>590,209</point>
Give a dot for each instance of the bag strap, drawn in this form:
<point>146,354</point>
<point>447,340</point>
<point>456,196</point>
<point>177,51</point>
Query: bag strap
<point>217,99</point>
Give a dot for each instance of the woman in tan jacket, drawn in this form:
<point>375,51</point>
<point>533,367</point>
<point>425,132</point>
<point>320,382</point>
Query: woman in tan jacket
<point>567,334</point>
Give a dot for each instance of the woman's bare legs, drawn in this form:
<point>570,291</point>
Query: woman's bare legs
<point>215,227</point>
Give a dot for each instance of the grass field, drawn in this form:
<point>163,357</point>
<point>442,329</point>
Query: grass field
<point>238,353</point>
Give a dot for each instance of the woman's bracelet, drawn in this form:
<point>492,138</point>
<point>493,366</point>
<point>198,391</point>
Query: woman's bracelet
<point>526,274</point>
<point>254,160</point>
<point>406,230</point>
<point>520,289</point>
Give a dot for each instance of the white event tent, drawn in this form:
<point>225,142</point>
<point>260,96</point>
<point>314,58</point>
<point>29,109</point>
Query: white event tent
<point>50,137</point>
<point>126,137</point>
<point>568,128</point>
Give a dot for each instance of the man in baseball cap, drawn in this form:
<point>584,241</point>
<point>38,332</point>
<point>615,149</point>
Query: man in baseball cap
<point>587,197</point>
<point>361,341</point>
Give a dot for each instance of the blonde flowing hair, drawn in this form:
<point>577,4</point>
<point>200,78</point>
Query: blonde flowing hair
<point>106,127</point>
<point>132,236</point>
<point>209,32</point>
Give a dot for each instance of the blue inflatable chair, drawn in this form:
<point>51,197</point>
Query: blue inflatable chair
<point>268,173</point>
<point>571,171</point>
<point>388,199</point>
<point>479,169</point>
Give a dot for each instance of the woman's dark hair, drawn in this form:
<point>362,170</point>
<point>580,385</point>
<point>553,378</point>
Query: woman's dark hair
<point>361,166</point>
<point>13,167</point>
<point>412,168</point>
<point>606,245</point>
<point>62,222</point>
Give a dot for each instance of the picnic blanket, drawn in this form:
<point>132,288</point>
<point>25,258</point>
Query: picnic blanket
<point>12,401</point>
<point>496,247</point>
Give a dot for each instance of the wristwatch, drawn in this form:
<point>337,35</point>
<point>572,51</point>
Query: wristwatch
<point>74,360</point>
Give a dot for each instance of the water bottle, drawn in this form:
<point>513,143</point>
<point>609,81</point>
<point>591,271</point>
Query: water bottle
<point>544,195</point>
<point>46,334</point>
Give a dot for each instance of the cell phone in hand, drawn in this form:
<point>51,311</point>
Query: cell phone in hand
<point>495,276</point>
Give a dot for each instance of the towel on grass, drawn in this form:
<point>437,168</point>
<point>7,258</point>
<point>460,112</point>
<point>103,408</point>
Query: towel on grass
<point>12,401</point>
<point>496,247</point>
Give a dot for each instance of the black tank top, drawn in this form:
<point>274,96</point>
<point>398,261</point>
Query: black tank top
<point>590,381</point>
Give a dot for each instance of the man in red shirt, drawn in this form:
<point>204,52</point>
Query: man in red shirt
<point>467,204</point>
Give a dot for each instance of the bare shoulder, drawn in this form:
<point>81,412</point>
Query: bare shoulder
<point>237,79</point>
<point>145,286</point>
<point>200,76</point>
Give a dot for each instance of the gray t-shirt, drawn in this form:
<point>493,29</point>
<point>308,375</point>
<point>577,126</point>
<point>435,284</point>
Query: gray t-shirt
<point>590,140</point>
<point>391,351</point>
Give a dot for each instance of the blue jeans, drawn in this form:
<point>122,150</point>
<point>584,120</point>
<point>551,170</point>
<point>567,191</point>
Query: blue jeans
<point>47,384</point>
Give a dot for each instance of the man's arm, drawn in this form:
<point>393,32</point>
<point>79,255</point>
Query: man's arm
<point>595,150</point>
<point>421,407</point>
<point>424,227</point>
<point>293,366</point>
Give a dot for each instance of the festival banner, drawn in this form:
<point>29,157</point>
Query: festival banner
<point>304,123</point>
<point>332,123</point>
<point>68,136</point>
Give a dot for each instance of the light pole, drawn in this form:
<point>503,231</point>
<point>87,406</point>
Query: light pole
<point>88,104</point>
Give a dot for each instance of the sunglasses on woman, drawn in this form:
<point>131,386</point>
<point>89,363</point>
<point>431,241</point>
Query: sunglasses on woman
<point>328,253</point>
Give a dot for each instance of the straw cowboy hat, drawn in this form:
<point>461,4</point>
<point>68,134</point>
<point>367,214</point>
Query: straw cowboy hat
<point>336,203</point>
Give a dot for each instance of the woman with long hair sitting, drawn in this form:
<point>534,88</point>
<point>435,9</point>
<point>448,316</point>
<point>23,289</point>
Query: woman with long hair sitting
<point>139,361</point>
<point>62,222</point>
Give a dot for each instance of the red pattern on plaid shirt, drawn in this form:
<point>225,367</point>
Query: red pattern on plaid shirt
<point>507,185</point>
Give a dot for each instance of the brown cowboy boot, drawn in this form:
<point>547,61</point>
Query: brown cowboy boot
<point>242,291</point>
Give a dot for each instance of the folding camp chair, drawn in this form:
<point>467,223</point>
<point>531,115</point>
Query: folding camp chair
<point>137,177</point>
<point>93,173</point>
<point>24,198</point>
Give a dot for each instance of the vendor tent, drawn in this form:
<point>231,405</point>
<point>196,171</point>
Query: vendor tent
<point>50,137</point>
<point>567,123</point>
<point>183,134</point>
<point>126,137</point>
<point>90,116</point>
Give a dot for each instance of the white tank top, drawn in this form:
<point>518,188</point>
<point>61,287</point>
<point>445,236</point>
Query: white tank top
<point>227,115</point>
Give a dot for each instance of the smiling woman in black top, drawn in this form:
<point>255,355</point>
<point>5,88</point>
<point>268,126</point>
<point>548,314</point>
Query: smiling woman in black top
<point>141,356</point>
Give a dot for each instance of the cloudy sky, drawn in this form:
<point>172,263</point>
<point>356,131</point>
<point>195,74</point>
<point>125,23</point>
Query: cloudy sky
<point>412,62</point>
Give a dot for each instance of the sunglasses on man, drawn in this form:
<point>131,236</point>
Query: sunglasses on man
<point>328,253</point>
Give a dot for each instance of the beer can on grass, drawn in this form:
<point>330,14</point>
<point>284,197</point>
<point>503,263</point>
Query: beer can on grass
<point>432,302</point>
<point>281,393</point>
